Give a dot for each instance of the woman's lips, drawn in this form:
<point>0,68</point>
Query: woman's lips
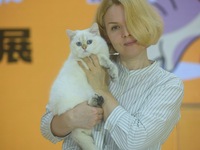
<point>130,43</point>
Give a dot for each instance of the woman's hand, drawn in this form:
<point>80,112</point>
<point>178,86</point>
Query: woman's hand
<point>85,116</point>
<point>81,116</point>
<point>96,74</point>
<point>98,79</point>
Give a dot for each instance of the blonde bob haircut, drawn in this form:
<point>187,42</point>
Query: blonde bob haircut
<point>143,22</point>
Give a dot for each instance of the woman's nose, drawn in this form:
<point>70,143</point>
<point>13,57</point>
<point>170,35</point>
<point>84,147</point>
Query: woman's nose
<point>125,33</point>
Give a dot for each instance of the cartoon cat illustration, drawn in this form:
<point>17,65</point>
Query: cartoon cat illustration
<point>182,27</point>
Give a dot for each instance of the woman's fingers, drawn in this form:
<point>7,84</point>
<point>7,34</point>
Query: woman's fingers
<point>95,60</point>
<point>84,67</point>
<point>86,116</point>
<point>89,63</point>
<point>92,62</point>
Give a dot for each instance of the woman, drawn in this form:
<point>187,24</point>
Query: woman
<point>142,108</point>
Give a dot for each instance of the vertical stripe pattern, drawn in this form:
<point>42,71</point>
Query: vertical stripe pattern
<point>149,109</point>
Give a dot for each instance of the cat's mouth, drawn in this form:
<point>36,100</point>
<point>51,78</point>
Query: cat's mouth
<point>85,53</point>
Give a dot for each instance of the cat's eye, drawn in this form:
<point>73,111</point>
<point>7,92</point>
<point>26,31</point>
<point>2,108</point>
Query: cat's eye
<point>89,42</point>
<point>78,43</point>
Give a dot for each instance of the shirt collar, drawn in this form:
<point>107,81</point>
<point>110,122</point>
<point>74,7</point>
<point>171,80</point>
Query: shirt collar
<point>146,70</point>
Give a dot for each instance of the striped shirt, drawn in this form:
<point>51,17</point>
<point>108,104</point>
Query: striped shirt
<point>150,100</point>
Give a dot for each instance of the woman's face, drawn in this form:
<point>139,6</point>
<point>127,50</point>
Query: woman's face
<point>125,44</point>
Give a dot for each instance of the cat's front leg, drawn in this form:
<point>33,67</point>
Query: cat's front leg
<point>111,67</point>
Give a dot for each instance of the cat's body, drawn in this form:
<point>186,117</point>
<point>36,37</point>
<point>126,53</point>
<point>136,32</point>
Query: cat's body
<point>71,87</point>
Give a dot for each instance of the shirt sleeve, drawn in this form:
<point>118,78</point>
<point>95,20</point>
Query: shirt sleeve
<point>152,123</point>
<point>45,127</point>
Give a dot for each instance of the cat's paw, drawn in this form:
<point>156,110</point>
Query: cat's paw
<point>113,72</point>
<point>110,66</point>
<point>96,101</point>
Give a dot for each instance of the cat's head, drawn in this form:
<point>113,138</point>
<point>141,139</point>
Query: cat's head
<point>85,42</point>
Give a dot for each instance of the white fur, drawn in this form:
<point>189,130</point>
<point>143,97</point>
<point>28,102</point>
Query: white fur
<point>71,87</point>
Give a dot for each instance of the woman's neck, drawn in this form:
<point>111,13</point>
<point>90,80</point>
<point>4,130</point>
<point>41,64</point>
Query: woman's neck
<point>136,62</point>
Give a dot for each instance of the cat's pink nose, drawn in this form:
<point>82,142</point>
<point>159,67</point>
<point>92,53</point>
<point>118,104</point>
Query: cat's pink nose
<point>84,46</point>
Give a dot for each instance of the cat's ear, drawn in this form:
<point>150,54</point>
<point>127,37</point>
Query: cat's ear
<point>94,29</point>
<point>70,34</point>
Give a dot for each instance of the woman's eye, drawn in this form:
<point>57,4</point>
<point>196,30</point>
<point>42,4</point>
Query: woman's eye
<point>115,28</point>
<point>78,43</point>
<point>89,42</point>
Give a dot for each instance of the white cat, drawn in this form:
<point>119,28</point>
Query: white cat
<point>71,87</point>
